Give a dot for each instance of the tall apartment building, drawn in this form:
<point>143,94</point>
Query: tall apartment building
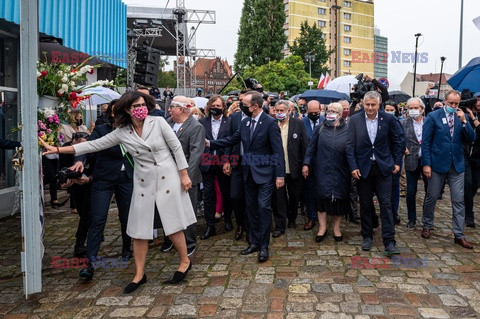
<point>380,66</point>
<point>355,30</point>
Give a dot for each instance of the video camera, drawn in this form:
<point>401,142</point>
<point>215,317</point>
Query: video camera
<point>361,88</point>
<point>65,173</point>
<point>467,100</point>
<point>253,84</point>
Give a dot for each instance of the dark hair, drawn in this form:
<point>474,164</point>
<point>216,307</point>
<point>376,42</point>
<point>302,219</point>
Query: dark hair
<point>257,98</point>
<point>142,88</point>
<point>212,99</point>
<point>392,103</point>
<point>122,118</point>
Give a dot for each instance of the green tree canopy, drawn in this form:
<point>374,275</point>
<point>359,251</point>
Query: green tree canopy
<point>261,36</point>
<point>285,75</point>
<point>311,41</point>
<point>167,79</point>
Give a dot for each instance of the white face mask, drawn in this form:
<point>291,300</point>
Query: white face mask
<point>322,113</point>
<point>414,113</point>
<point>195,116</point>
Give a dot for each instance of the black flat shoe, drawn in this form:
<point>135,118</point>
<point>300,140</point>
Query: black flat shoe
<point>178,276</point>
<point>87,273</point>
<point>319,239</point>
<point>338,238</point>
<point>55,204</point>
<point>131,287</point>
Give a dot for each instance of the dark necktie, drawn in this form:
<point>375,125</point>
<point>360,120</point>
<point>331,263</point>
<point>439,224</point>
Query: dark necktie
<point>252,128</point>
<point>450,124</point>
<point>314,125</point>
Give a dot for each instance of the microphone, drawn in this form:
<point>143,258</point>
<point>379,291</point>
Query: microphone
<point>418,34</point>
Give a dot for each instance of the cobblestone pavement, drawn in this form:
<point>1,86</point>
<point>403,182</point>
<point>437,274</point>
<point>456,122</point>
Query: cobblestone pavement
<point>302,279</point>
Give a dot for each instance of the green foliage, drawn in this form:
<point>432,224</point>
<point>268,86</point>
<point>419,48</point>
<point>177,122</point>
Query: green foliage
<point>285,75</point>
<point>235,84</point>
<point>121,77</point>
<point>311,41</point>
<point>167,79</point>
<point>261,36</point>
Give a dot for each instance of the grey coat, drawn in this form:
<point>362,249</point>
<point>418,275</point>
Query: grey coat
<point>192,137</point>
<point>411,160</point>
<point>156,178</point>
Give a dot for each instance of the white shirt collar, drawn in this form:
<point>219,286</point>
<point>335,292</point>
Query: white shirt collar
<point>219,119</point>
<point>257,117</point>
<point>366,117</point>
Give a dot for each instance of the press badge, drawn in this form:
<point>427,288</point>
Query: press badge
<point>444,120</point>
<point>295,135</point>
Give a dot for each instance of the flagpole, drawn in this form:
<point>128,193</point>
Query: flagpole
<point>461,38</point>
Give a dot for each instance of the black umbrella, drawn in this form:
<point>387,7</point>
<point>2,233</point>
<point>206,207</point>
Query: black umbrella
<point>399,96</point>
<point>236,92</point>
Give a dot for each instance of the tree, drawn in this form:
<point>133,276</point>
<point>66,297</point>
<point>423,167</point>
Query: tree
<point>311,41</point>
<point>167,79</point>
<point>261,36</point>
<point>285,75</point>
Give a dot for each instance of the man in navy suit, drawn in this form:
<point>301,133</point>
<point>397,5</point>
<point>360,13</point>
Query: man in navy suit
<point>311,121</point>
<point>264,168</point>
<point>442,158</point>
<point>375,147</point>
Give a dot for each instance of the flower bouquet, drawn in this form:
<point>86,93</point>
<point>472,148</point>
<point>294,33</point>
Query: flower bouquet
<point>48,126</point>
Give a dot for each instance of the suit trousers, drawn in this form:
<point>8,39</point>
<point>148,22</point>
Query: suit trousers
<point>238,195</point>
<point>209,194</point>
<point>102,192</point>
<point>259,210</point>
<point>456,182</point>
<point>472,183</point>
<point>286,199</point>
<point>381,185</point>
<point>412,185</point>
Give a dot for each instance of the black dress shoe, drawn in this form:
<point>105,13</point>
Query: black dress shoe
<point>250,250</point>
<point>338,238</point>
<point>209,232</point>
<point>263,255</point>
<point>471,225</point>
<point>277,233</point>
<point>127,254</point>
<point>397,220</point>
<point>239,233</point>
<point>228,224</point>
<point>131,287</point>
<point>87,273</point>
<point>291,225</point>
<point>319,239</point>
<point>309,224</point>
<point>178,276</point>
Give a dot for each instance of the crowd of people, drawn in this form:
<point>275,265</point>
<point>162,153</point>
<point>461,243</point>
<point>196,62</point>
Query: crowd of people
<point>255,159</point>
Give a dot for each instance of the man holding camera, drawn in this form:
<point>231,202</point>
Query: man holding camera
<point>442,158</point>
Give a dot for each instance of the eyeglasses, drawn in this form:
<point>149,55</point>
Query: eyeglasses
<point>138,105</point>
<point>79,135</point>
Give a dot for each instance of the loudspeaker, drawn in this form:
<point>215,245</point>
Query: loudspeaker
<point>150,68</point>
<point>148,57</point>
<point>146,79</point>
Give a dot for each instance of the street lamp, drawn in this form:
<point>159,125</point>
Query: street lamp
<point>440,81</point>
<point>337,38</point>
<point>310,58</point>
<point>415,62</point>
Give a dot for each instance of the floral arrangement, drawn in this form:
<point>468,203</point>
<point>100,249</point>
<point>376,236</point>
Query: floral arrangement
<point>66,82</point>
<point>48,126</point>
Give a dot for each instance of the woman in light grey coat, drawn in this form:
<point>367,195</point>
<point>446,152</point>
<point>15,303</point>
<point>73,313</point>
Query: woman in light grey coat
<point>160,178</point>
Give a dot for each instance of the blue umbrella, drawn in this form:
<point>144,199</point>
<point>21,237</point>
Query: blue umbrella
<point>467,77</point>
<point>324,96</point>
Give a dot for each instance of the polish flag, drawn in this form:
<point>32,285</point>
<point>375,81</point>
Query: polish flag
<point>327,79</point>
<point>321,82</point>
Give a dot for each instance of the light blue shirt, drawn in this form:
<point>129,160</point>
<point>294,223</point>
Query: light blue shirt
<point>372,127</point>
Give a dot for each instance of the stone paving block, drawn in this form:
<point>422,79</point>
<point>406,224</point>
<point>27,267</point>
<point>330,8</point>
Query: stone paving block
<point>213,291</point>
<point>156,312</point>
<point>207,311</point>
<point>470,294</point>
<point>372,309</point>
<point>301,315</point>
<point>330,315</point>
<point>231,303</point>
<point>113,301</point>
<point>452,301</point>
<point>412,288</point>
<point>342,288</point>
<point>327,307</point>
<point>433,313</point>
<point>299,289</point>
<point>182,310</point>
<point>129,312</point>
<point>233,293</point>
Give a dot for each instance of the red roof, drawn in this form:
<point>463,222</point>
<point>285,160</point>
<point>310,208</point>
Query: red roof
<point>433,77</point>
<point>203,65</point>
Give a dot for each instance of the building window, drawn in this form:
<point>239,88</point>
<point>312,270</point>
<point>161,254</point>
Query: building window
<point>322,23</point>
<point>347,16</point>
<point>347,39</point>
<point>347,4</point>
<point>347,51</point>
<point>347,63</point>
<point>347,28</point>
<point>323,36</point>
<point>322,11</point>
<point>322,0</point>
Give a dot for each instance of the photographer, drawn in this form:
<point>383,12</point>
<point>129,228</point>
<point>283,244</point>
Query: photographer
<point>365,84</point>
<point>472,162</point>
<point>80,186</point>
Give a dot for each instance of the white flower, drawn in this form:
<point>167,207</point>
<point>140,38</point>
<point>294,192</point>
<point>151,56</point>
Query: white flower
<point>65,79</point>
<point>61,105</point>
<point>64,88</point>
<point>39,74</point>
<point>61,91</point>
<point>60,73</point>
<point>78,74</point>
<point>72,84</point>
<point>48,112</point>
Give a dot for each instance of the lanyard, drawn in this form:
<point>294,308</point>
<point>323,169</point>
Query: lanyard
<point>126,155</point>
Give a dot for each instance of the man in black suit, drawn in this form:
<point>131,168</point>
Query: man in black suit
<point>375,147</point>
<point>217,126</point>
<point>295,143</point>
<point>264,168</point>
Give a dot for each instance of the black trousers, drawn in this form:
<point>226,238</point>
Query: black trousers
<point>209,194</point>
<point>102,192</point>
<point>472,183</point>
<point>50,171</point>
<point>286,200</point>
<point>381,185</point>
<point>82,202</point>
<point>238,195</point>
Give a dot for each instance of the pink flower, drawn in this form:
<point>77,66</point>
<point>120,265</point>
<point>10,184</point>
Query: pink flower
<point>50,119</point>
<point>40,134</point>
<point>49,131</point>
<point>61,137</point>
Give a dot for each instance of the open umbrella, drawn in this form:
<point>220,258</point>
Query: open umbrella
<point>467,77</point>
<point>100,95</point>
<point>343,84</point>
<point>324,96</point>
<point>398,96</point>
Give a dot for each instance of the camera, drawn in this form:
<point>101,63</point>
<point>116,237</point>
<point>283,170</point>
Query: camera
<point>361,88</point>
<point>253,85</point>
<point>65,173</point>
<point>467,100</point>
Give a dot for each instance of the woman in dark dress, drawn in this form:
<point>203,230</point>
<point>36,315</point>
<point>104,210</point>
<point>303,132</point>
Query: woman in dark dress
<point>327,155</point>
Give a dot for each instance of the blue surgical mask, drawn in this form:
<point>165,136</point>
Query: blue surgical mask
<point>450,109</point>
<point>391,112</point>
<point>281,116</point>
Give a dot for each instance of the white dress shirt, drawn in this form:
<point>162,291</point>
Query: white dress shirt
<point>372,127</point>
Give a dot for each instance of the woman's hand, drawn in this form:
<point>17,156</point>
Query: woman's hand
<point>305,171</point>
<point>78,166</point>
<point>49,148</point>
<point>185,181</point>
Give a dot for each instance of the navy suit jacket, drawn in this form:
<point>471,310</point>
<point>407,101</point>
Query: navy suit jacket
<point>439,149</point>
<point>263,153</point>
<point>388,147</point>
<point>308,126</point>
<point>224,131</point>
<point>234,125</point>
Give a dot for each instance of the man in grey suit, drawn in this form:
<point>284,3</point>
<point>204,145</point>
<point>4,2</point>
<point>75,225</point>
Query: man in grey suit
<point>412,127</point>
<point>191,135</point>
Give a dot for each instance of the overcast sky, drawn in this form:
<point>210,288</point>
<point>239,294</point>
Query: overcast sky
<point>399,20</point>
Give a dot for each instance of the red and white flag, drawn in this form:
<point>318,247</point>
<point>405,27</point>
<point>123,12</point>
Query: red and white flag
<point>327,79</point>
<point>321,82</point>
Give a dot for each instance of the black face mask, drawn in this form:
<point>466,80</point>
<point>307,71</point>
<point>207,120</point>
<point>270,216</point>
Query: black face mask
<point>313,116</point>
<point>216,112</point>
<point>79,122</point>
<point>303,109</point>
<point>245,109</point>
